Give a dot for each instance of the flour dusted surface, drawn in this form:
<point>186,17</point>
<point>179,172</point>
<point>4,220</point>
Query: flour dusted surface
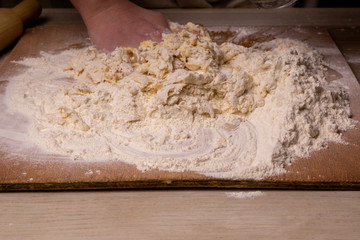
<point>245,195</point>
<point>186,103</point>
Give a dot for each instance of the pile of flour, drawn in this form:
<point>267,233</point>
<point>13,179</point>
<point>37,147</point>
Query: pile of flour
<point>184,104</point>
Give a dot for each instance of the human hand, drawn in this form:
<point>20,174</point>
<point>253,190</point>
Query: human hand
<point>113,23</point>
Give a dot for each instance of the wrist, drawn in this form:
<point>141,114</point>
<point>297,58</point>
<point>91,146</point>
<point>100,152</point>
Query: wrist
<point>91,8</point>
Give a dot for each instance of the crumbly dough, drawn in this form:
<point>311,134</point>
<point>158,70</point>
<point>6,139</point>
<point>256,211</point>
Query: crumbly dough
<point>184,104</point>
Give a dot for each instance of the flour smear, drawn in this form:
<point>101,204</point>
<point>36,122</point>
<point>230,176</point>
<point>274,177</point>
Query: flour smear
<point>245,195</point>
<point>184,104</point>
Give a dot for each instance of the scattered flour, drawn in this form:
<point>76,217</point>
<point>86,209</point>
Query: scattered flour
<point>245,195</point>
<point>89,172</point>
<point>185,104</point>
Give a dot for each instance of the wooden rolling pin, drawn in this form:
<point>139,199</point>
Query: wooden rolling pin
<point>13,21</point>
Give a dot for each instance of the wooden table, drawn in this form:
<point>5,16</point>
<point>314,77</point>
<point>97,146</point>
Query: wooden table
<point>195,214</point>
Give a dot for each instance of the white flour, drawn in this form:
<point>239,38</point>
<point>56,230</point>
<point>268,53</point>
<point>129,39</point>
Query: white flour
<point>185,104</point>
<point>245,195</point>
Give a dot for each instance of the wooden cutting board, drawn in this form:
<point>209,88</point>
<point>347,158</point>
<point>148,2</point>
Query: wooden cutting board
<point>337,167</point>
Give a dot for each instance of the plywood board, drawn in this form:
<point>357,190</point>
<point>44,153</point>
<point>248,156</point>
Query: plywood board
<point>337,167</point>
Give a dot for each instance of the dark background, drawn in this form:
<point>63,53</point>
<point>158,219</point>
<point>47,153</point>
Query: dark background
<point>299,3</point>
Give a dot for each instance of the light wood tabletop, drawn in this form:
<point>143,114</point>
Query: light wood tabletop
<point>195,213</point>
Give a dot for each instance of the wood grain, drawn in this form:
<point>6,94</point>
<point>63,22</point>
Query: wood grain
<point>334,168</point>
<point>179,215</point>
